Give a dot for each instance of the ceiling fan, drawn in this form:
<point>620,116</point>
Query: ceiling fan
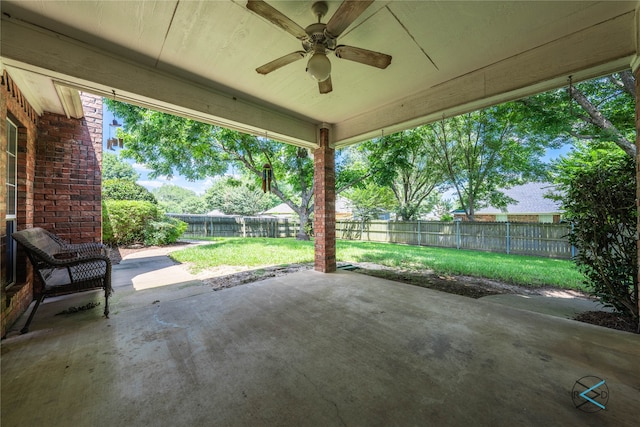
<point>318,39</point>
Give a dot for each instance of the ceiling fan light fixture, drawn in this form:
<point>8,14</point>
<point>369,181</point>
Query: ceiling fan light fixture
<point>319,66</point>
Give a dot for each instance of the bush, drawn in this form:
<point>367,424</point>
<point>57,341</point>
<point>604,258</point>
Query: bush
<point>447,217</point>
<point>122,189</point>
<point>599,192</point>
<point>163,231</point>
<point>128,222</point>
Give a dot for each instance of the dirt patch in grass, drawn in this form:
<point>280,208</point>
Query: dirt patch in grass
<point>248,276</point>
<point>471,287</point>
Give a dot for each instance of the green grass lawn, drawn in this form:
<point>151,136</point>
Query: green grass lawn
<point>516,269</point>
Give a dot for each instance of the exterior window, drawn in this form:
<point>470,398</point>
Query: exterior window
<point>12,197</point>
<point>546,219</point>
<point>502,218</point>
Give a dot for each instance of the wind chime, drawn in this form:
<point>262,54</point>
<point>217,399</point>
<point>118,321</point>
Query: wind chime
<point>113,142</point>
<point>267,176</point>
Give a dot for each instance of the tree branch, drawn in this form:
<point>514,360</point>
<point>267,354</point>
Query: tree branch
<point>600,121</point>
<point>628,82</point>
<point>354,182</point>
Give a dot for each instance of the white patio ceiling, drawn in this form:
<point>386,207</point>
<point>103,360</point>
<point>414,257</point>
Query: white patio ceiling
<point>198,59</point>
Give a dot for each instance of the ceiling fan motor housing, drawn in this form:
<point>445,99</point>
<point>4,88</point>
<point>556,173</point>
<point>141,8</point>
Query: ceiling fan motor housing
<point>318,36</point>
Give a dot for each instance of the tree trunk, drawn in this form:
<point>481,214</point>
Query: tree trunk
<point>471,215</point>
<point>304,217</point>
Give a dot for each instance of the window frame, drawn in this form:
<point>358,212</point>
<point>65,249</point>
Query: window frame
<point>12,212</point>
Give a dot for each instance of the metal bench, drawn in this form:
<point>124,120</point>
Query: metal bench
<point>64,267</point>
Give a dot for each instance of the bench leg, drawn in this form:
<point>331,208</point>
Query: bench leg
<point>106,304</point>
<point>33,313</point>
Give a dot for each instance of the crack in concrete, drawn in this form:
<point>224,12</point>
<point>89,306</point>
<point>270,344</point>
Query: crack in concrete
<point>317,388</point>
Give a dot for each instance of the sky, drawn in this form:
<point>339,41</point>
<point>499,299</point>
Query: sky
<point>199,187</point>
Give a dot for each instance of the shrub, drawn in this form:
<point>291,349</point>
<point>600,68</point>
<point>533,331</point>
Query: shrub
<point>122,189</point>
<point>126,221</point>
<point>163,231</point>
<point>598,194</point>
<point>447,217</point>
<point>107,230</point>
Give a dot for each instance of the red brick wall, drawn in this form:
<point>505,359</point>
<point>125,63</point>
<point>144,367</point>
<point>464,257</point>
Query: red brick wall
<point>324,216</point>
<point>14,106</point>
<point>59,182</point>
<point>68,174</point>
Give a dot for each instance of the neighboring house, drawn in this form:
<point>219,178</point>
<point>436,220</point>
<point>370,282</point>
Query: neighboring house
<point>217,212</point>
<point>343,210</point>
<point>284,211</point>
<point>281,211</point>
<point>531,206</point>
<point>50,177</point>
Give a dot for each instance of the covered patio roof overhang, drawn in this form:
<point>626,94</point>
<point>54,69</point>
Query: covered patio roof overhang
<point>198,59</point>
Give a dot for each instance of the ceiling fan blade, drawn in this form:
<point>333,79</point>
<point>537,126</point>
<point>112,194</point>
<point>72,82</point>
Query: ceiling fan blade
<point>325,86</point>
<point>363,56</point>
<point>276,17</point>
<point>347,12</point>
<point>280,62</point>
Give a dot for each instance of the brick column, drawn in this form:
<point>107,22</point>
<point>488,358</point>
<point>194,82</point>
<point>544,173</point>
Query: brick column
<point>324,214</point>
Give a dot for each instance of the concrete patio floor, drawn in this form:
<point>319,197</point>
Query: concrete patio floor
<point>313,349</point>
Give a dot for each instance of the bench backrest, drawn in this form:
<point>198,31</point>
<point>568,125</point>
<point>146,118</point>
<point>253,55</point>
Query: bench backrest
<point>38,238</point>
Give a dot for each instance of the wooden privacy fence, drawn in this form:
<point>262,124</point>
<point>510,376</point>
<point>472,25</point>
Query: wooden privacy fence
<point>548,240</point>
<point>232,226</point>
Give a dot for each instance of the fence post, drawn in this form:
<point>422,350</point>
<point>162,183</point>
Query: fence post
<point>573,248</point>
<point>457,234</point>
<point>508,239</point>
<point>244,228</point>
<point>419,233</point>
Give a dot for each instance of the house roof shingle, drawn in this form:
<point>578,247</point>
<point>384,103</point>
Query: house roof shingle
<point>530,200</point>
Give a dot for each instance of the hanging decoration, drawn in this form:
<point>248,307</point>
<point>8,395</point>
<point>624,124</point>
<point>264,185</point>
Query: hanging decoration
<point>113,142</point>
<point>570,95</point>
<point>267,175</point>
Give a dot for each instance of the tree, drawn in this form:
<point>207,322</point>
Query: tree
<point>194,205</point>
<point>122,189</point>
<point>115,168</point>
<point>480,153</point>
<point>403,162</point>
<point>292,169</point>
<point>235,197</point>
<point>443,208</point>
<point>596,187</point>
<point>168,144</point>
<point>175,199</point>
<point>596,110</point>
<point>370,200</point>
